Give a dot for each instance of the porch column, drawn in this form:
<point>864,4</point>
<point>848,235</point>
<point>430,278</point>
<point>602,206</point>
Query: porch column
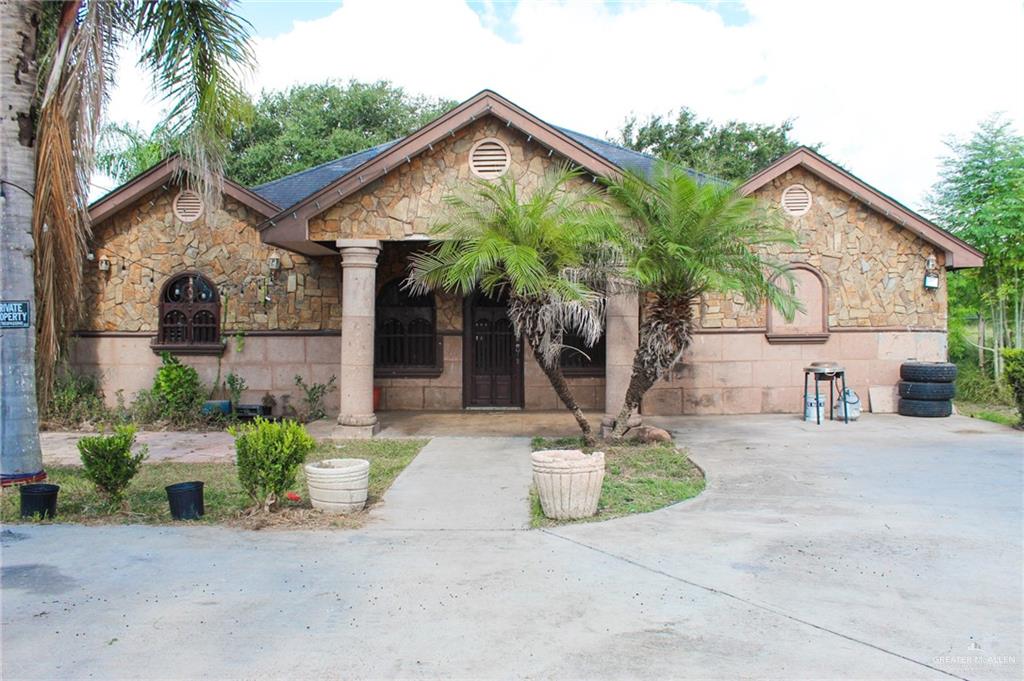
<point>622,328</point>
<point>358,297</point>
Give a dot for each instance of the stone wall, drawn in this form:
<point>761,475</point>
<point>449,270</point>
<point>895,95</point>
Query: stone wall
<point>410,199</point>
<point>741,373</point>
<point>147,245</point>
<point>874,268</point>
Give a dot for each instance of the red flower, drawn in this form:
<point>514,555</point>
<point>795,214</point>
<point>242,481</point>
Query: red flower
<point>292,496</point>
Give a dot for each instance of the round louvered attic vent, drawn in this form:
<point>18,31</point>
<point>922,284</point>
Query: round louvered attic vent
<point>188,205</point>
<point>489,158</point>
<point>796,200</point>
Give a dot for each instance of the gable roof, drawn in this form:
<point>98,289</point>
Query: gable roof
<point>289,229</point>
<point>958,253</point>
<point>159,174</point>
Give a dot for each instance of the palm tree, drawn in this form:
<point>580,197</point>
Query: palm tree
<point>685,239</point>
<point>543,252</point>
<point>62,57</point>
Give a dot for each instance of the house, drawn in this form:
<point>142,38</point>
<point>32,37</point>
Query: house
<point>300,277</point>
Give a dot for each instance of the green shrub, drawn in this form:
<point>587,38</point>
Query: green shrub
<point>178,390</point>
<point>268,457</point>
<point>108,462</point>
<point>976,385</point>
<point>1014,373</point>
<point>313,396</point>
<point>77,399</point>
<point>236,384</point>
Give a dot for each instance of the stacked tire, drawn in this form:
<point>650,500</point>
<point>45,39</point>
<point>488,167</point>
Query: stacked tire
<point>927,389</point>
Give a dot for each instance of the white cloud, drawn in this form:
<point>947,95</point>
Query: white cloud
<point>880,84</point>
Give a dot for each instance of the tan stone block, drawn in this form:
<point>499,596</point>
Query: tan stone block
<point>541,398</point>
<point>897,345</point>
<point>257,376</point>
<point>706,347</point>
<point>741,400</point>
<point>733,374</point>
<point>663,401</point>
<point>769,374</point>
<point>448,399</point>
<point>788,400</point>
<point>702,401</point>
<point>931,347</point>
<point>323,349</point>
<point>857,346</point>
<point>407,396</point>
<point>743,346</point>
<point>453,348</point>
<point>885,372</point>
<point>283,375</point>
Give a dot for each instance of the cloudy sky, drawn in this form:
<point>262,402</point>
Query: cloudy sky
<point>879,84</point>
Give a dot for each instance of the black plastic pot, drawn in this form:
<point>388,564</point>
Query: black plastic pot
<point>39,499</point>
<point>186,500</point>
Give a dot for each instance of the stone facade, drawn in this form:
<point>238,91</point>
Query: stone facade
<point>410,199</point>
<point>878,313</point>
<point>146,245</point>
<point>873,267</point>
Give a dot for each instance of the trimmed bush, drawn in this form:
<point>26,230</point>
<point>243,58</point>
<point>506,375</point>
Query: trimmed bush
<point>108,462</point>
<point>178,389</point>
<point>268,456</point>
<point>76,399</point>
<point>1014,373</point>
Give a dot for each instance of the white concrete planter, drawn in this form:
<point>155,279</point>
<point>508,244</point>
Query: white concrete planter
<point>338,485</point>
<point>568,482</point>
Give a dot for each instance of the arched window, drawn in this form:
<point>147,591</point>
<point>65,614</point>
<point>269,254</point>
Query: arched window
<point>810,325</point>
<point>579,360</point>
<point>189,315</point>
<point>405,340</point>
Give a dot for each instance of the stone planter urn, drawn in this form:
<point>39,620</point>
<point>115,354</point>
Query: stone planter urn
<point>568,482</point>
<point>338,485</point>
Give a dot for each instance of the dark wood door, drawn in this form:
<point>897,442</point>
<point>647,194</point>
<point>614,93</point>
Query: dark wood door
<point>493,356</point>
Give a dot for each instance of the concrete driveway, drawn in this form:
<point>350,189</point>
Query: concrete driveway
<point>886,549</point>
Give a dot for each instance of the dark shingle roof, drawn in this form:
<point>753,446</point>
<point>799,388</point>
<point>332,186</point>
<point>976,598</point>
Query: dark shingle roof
<point>628,159</point>
<point>291,189</point>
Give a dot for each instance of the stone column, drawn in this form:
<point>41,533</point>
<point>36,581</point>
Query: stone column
<point>622,326</point>
<point>358,298</point>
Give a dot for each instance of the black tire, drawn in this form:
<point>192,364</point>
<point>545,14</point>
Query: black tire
<point>928,372</point>
<point>927,391</point>
<point>926,408</point>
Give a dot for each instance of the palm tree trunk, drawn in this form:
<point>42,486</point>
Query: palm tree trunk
<point>20,456</point>
<point>665,334</point>
<point>564,392</point>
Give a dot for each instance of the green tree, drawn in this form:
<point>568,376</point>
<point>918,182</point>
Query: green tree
<point>733,151</point>
<point>980,198</point>
<point>62,57</point>
<point>685,239</point>
<point>125,150</point>
<point>542,252</point>
<point>306,125</point>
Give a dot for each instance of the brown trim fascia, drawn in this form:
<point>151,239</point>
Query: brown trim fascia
<point>796,338</point>
<point>142,184</point>
<point>225,335</point>
<point>832,330</point>
<point>959,254</point>
<point>291,224</point>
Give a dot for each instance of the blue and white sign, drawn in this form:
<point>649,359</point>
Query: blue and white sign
<point>14,314</point>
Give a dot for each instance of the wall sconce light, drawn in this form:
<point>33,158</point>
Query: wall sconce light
<point>274,262</point>
<point>104,263</point>
<point>931,275</point>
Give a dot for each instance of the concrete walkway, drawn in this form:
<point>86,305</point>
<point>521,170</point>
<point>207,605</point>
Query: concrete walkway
<point>887,549</point>
<point>461,483</point>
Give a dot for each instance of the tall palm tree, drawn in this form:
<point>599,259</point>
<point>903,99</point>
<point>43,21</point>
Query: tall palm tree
<point>544,252</point>
<point>60,60</point>
<point>685,239</point>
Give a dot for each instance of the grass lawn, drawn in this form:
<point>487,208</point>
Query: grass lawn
<point>996,413</point>
<point>638,478</point>
<point>223,497</point>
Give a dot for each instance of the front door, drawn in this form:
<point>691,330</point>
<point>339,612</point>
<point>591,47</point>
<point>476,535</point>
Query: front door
<point>493,356</point>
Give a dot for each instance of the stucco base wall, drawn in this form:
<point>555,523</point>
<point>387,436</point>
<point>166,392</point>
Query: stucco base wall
<point>741,373</point>
<point>268,364</point>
